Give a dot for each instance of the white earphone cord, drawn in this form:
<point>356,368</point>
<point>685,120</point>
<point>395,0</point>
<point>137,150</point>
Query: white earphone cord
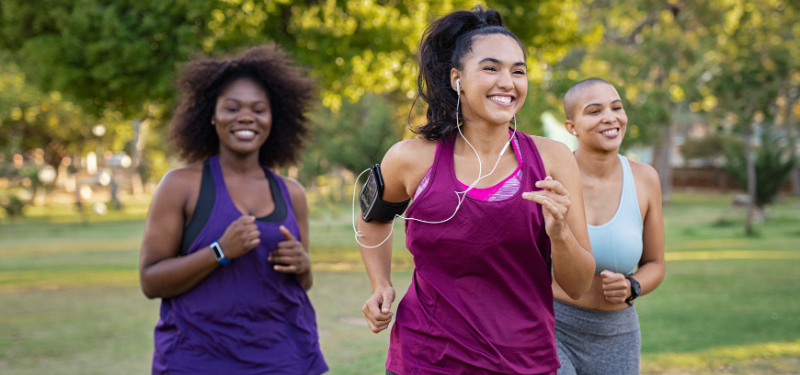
<point>461,195</point>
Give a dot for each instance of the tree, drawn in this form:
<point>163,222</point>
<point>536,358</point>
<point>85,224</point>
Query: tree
<point>773,163</point>
<point>122,55</point>
<point>755,56</point>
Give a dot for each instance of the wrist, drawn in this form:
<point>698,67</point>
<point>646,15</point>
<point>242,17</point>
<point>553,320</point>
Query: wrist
<point>561,238</point>
<point>383,285</point>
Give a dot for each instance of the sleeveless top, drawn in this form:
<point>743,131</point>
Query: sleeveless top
<point>480,300</point>
<point>617,245</point>
<point>245,317</point>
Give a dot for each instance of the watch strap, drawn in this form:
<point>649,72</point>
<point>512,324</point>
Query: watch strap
<point>635,290</point>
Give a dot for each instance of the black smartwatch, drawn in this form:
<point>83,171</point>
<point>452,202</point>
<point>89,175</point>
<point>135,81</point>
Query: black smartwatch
<point>636,289</point>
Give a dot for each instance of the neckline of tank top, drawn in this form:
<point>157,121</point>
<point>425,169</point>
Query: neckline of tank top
<point>497,186</point>
<point>517,171</point>
<point>617,212</point>
<point>279,212</point>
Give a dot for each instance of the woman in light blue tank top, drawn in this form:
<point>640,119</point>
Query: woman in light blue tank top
<point>599,332</point>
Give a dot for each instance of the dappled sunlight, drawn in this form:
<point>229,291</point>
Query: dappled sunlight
<point>76,246</point>
<point>730,254</point>
<point>19,281</point>
<point>720,356</point>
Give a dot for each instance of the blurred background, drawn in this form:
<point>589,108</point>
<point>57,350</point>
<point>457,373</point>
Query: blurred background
<point>711,88</point>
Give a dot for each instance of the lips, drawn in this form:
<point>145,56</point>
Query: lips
<point>244,134</point>
<point>610,133</point>
<point>503,100</point>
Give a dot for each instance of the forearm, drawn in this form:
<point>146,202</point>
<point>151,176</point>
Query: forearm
<point>650,275</point>
<point>174,276</point>
<point>306,279</point>
<point>378,261</point>
<point>573,265</point>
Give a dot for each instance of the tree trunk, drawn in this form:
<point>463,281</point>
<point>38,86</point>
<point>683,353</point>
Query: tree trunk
<point>662,153</point>
<point>751,177</point>
<point>794,176</point>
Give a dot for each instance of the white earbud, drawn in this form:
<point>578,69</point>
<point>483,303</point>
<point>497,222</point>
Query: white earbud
<point>458,86</point>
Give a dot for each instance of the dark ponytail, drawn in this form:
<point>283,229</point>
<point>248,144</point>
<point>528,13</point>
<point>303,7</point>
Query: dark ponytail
<point>445,44</point>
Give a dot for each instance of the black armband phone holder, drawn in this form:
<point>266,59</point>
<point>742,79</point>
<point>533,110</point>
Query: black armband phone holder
<point>373,207</point>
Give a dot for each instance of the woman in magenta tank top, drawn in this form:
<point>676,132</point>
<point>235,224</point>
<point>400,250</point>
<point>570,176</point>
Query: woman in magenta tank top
<point>226,240</point>
<point>480,301</point>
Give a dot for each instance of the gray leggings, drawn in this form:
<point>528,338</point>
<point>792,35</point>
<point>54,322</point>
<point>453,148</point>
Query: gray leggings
<point>597,342</point>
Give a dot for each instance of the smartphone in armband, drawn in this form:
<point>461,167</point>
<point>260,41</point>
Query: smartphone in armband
<point>373,207</point>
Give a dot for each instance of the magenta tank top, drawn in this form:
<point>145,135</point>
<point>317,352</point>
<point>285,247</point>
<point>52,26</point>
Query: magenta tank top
<point>480,301</point>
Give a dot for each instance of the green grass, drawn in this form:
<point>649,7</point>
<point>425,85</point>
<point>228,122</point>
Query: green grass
<point>70,302</point>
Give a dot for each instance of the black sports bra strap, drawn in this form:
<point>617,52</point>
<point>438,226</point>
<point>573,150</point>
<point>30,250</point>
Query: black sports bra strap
<point>202,210</point>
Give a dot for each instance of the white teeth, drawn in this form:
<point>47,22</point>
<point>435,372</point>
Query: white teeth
<point>245,132</point>
<point>501,99</point>
<point>612,131</point>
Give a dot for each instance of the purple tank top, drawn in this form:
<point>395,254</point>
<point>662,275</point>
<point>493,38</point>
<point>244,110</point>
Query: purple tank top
<point>480,301</point>
<point>243,318</point>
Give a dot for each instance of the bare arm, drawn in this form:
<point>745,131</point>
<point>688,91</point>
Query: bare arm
<point>565,219</point>
<point>652,266</point>
<point>403,167</point>
<point>616,287</point>
<point>164,274</point>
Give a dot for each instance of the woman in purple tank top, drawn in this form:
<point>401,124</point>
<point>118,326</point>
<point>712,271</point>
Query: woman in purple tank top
<point>226,240</point>
<point>480,301</point>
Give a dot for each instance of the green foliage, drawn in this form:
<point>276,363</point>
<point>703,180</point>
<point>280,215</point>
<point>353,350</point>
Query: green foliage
<point>354,138</point>
<point>104,54</point>
<point>12,205</point>
<point>773,163</point>
<point>710,146</point>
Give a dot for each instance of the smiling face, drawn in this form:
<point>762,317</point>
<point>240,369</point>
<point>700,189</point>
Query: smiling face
<point>494,80</point>
<point>598,118</point>
<point>243,117</point>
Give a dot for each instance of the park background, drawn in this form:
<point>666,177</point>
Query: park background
<point>87,91</point>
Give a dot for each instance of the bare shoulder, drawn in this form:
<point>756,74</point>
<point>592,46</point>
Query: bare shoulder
<point>404,166</point>
<point>555,155</point>
<point>411,152</point>
<point>295,188</point>
<point>645,174</point>
<point>181,181</point>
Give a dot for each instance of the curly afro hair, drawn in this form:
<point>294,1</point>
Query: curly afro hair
<point>203,80</point>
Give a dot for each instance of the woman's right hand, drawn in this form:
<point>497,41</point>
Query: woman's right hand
<point>240,237</point>
<point>378,309</point>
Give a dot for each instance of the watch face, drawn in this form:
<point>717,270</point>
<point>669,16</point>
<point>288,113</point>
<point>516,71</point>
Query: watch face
<point>217,253</point>
<point>636,287</point>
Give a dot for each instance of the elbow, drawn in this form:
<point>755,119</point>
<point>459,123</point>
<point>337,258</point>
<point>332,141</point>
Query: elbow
<point>576,293</point>
<point>149,290</point>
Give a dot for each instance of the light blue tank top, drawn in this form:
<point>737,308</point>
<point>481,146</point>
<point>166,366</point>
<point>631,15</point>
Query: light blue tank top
<point>617,244</point>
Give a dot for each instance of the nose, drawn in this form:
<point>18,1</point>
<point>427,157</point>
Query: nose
<point>245,117</point>
<point>608,116</point>
<point>505,82</point>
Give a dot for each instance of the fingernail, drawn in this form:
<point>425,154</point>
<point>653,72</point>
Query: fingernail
<point>538,183</point>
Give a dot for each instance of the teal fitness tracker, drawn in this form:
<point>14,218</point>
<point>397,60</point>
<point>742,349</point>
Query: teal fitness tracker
<point>219,254</point>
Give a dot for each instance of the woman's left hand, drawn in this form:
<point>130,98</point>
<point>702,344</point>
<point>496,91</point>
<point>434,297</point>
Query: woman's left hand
<point>554,199</point>
<point>290,256</point>
<point>616,287</point>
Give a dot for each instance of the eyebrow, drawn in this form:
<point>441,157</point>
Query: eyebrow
<point>593,104</point>
<point>496,61</point>
<point>239,101</point>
